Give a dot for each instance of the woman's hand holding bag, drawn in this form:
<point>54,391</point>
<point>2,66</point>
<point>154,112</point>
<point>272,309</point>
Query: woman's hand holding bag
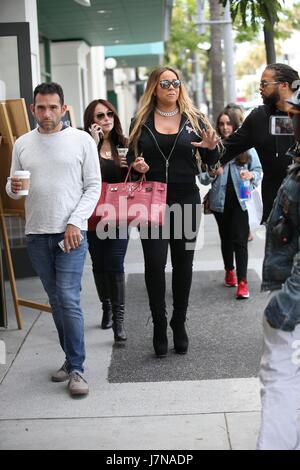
<point>138,202</point>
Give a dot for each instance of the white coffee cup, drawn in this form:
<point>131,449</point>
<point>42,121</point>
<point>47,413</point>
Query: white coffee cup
<point>122,152</point>
<point>24,176</point>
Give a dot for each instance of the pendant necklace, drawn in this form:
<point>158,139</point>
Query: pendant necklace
<point>106,155</point>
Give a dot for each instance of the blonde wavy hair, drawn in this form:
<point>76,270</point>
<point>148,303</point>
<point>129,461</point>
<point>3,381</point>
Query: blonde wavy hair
<point>148,103</point>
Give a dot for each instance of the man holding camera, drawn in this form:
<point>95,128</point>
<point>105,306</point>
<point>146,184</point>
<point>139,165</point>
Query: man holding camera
<point>280,363</point>
<point>278,82</point>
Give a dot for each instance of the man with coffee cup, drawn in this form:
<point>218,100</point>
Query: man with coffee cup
<point>20,182</point>
<point>65,184</point>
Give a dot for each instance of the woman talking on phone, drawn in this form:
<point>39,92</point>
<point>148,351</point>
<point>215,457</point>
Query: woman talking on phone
<point>165,136</point>
<point>102,123</point>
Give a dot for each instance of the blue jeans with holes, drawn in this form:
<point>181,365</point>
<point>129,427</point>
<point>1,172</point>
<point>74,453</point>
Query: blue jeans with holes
<point>61,275</point>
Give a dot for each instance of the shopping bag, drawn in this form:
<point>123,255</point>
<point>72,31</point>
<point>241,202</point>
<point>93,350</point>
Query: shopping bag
<point>94,219</point>
<point>255,209</point>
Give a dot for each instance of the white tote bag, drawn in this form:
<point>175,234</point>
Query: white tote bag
<point>255,209</point>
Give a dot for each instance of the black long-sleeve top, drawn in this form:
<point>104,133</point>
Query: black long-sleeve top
<point>271,149</point>
<point>182,161</point>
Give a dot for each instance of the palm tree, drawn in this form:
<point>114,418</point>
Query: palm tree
<point>254,12</point>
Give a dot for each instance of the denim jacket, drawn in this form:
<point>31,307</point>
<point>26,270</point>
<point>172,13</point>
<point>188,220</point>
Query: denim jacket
<point>281,266</point>
<point>219,184</point>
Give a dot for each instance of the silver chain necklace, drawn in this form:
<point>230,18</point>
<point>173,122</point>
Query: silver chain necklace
<point>167,113</point>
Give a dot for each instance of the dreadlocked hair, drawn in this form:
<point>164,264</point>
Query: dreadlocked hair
<point>285,73</point>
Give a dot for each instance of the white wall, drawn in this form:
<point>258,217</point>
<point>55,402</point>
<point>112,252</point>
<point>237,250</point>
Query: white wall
<point>15,11</point>
<point>69,69</point>
<point>9,68</point>
<point>96,75</point>
<point>31,17</point>
<point>126,96</point>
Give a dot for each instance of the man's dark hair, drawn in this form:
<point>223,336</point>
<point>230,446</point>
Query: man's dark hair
<point>284,73</point>
<point>49,89</point>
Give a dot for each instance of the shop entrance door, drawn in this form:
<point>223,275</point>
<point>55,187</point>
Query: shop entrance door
<point>15,66</point>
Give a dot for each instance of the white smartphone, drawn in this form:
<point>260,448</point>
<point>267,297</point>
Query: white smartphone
<point>61,244</point>
<point>281,125</point>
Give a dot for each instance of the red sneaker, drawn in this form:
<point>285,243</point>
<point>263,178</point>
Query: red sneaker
<point>242,291</point>
<point>230,278</point>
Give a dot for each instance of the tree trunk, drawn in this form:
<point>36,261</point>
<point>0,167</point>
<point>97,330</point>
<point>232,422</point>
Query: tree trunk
<point>269,41</point>
<point>216,57</point>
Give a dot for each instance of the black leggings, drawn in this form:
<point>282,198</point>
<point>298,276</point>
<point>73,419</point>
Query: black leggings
<point>233,227</point>
<point>182,251</point>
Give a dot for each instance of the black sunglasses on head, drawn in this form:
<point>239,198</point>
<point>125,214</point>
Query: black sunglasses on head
<point>109,114</point>
<point>167,83</point>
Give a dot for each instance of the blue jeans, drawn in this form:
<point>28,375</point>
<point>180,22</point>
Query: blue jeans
<point>61,275</point>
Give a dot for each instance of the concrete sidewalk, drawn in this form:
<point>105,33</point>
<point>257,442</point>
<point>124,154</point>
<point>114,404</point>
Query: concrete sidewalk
<point>38,414</point>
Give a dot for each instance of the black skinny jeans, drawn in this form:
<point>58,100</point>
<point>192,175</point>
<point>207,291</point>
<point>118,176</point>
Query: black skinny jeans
<point>233,226</point>
<point>107,255</point>
<point>155,251</point>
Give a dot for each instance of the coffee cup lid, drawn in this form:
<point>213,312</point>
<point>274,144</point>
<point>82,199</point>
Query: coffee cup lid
<point>122,150</point>
<point>21,173</point>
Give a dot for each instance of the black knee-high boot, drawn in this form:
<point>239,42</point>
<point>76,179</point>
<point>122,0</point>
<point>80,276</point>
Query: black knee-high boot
<point>102,286</point>
<point>160,338</point>
<point>117,295</point>
<point>180,337</point>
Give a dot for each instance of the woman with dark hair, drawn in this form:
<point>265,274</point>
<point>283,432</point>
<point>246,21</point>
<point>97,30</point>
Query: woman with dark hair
<point>103,124</point>
<point>229,210</point>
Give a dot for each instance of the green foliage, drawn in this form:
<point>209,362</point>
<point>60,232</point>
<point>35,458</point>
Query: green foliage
<point>253,60</point>
<point>184,36</point>
<point>249,17</point>
<point>253,12</point>
<point>289,21</point>
<point>247,27</point>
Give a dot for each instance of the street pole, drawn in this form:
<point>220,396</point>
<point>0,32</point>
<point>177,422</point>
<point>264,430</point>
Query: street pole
<point>228,45</point>
<point>197,79</point>
<point>229,56</point>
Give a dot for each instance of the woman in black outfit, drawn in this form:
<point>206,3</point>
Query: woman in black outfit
<point>102,122</point>
<point>164,138</point>
<point>230,211</point>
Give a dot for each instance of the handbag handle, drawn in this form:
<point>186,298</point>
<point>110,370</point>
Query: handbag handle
<point>143,177</point>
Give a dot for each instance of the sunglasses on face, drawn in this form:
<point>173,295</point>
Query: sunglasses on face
<point>264,84</point>
<point>100,116</point>
<point>167,83</point>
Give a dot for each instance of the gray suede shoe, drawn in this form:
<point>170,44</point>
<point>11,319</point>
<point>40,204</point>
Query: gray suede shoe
<point>77,384</point>
<point>61,375</point>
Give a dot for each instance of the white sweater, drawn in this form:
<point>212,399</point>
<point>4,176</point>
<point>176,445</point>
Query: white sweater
<point>65,181</point>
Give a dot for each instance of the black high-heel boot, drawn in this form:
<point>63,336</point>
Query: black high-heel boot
<point>160,338</point>
<point>102,286</point>
<point>180,337</point>
<point>117,289</point>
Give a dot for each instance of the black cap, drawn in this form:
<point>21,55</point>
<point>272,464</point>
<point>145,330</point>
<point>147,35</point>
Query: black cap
<point>295,99</point>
